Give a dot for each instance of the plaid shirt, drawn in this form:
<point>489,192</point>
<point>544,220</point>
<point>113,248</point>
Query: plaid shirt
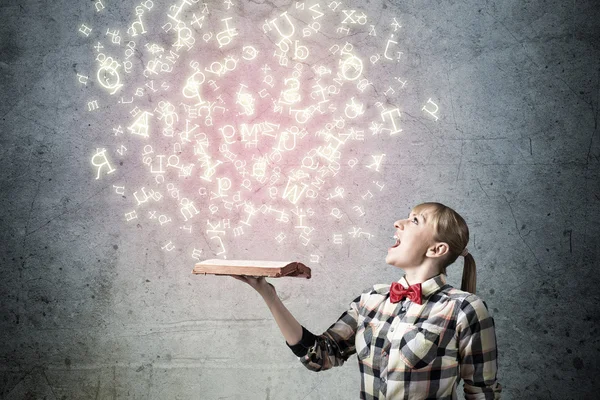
<point>408,350</point>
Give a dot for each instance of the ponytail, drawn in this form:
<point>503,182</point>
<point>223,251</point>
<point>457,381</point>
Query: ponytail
<point>469,276</point>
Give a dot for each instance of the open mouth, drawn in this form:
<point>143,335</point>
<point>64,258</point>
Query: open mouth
<point>396,244</point>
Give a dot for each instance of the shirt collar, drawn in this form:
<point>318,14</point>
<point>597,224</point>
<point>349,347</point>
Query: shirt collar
<point>430,286</point>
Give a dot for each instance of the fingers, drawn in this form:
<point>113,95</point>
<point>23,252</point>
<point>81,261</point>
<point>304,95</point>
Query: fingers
<point>247,278</point>
<point>239,278</point>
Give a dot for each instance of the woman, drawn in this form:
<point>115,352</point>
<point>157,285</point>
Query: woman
<point>418,337</point>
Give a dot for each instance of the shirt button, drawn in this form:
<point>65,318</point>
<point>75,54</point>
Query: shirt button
<point>392,329</point>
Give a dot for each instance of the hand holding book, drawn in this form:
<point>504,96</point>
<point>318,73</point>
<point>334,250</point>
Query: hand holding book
<point>254,273</point>
<point>258,283</point>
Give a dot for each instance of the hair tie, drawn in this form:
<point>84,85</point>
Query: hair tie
<point>465,252</point>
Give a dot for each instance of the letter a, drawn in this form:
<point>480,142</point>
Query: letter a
<point>140,126</point>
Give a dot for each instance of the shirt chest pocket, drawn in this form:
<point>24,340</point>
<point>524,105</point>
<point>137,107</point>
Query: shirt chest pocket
<point>418,347</point>
<point>364,338</point>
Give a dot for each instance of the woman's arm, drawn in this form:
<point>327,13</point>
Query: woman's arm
<point>317,353</point>
<point>289,327</point>
<point>478,354</point>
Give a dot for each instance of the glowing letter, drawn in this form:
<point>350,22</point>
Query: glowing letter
<point>387,47</point>
<point>293,29</point>
<point>292,193</point>
<point>319,13</point>
<point>99,160</point>
<point>224,37</point>
<point>92,105</point>
<point>143,200</point>
<point>85,30</point>
<point>140,126</point>
<point>337,238</point>
<point>196,254</point>
<point>108,76</point>
<point>351,68</point>
<point>82,79</point>
<point>280,237</point>
<point>348,16</point>
<point>355,109</point>
<point>389,113</point>
<point>169,246</point>
<point>132,30</point>
<point>188,206</point>
<point>249,51</point>
<point>376,162</point>
<point>432,112</point>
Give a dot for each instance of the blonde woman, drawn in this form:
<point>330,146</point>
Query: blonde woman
<point>415,338</point>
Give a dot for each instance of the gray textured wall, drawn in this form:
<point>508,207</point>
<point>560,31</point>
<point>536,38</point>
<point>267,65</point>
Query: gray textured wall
<point>92,307</point>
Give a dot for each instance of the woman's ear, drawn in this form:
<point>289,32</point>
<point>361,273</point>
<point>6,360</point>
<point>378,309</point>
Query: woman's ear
<point>440,249</point>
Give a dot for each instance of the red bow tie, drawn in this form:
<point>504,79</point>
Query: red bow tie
<point>398,292</point>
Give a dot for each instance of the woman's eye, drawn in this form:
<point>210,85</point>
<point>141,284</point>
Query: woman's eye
<point>415,219</point>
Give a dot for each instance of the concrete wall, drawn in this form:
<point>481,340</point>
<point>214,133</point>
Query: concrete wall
<point>94,306</point>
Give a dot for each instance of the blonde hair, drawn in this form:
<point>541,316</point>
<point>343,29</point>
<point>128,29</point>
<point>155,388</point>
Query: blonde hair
<point>451,228</point>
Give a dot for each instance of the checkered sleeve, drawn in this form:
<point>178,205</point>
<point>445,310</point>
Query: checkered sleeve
<point>478,354</point>
<point>333,347</point>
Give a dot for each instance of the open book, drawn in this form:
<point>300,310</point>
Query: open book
<point>272,269</point>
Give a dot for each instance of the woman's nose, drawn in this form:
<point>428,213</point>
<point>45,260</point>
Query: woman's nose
<point>398,224</point>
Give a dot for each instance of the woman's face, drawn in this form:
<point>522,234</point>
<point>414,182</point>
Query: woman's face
<point>414,235</point>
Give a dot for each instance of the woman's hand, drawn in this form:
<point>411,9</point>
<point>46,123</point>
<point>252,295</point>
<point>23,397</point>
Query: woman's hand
<point>259,283</point>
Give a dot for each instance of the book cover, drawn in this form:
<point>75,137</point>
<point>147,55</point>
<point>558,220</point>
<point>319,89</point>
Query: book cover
<point>272,269</point>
